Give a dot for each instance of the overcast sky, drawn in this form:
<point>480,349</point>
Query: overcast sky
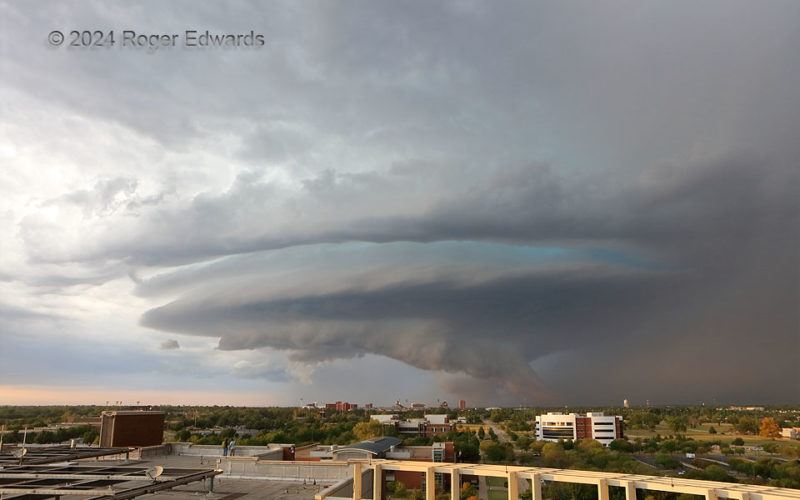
<point>505,202</point>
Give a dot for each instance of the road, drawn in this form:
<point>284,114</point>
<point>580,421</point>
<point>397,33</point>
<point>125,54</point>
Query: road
<point>501,434</point>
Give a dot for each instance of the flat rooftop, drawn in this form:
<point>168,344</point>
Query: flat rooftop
<point>81,461</point>
<point>227,488</point>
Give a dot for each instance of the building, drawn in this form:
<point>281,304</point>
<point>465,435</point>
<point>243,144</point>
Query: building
<point>625,403</point>
<point>560,426</point>
<point>437,424</point>
<point>438,452</point>
<point>462,405</point>
<point>430,425</point>
<point>339,406</point>
<point>385,419</point>
<point>791,432</point>
<point>131,428</point>
<point>366,450</point>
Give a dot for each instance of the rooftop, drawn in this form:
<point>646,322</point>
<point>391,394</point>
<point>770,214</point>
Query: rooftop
<point>375,446</point>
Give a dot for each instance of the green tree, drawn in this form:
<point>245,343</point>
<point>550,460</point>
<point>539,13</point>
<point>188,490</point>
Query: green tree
<point>523,442</point>
<point>367,430</point>
<point>667,461</point>
<point>717,473</point>
<point>677,424</point>
<point>499,452</point>
<point>554,455</point>
<point>746,425</point>
<point>89,436</point>
<point>622,445</point>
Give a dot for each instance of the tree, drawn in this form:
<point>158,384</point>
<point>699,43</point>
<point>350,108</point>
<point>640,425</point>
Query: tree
<point>89,436</point>
<point>523,442</point>
<point>497,452</point>
<point>717,473</point>
<point>228,433</point>
<point>622,445</point>
<point>677,424</point>
<point>554,455</point>
<point>468,491</point>
<point>746,425</point>
<point>769,428</point>
<point>667,461</point>
<point>771,447</point>
<point>368,430</point>
<point>712,430</point>
<point>481,434</point>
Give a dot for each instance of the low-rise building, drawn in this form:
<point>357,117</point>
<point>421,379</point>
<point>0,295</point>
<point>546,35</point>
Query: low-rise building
<point>340,406</point>
<point>430,425</point>
<point>365,450</point>
<point>791,432</point>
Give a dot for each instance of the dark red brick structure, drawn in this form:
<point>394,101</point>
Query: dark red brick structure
<point>131,428</point>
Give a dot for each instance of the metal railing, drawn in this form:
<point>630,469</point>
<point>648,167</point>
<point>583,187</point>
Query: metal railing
<point>514,475</point>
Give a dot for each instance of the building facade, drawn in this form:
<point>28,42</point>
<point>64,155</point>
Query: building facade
<point>340,406</point>
<point>430,425</point>
<point>560,426</point>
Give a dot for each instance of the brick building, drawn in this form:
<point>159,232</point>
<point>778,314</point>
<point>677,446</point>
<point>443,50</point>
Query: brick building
<point>560,426</point>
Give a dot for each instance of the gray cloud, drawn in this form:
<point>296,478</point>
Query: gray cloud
<point>379,178</point>
<point>697,226</point>
<point>170,344</point>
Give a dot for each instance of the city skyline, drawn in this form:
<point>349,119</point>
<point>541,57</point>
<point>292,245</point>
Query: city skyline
<point>519,204</point>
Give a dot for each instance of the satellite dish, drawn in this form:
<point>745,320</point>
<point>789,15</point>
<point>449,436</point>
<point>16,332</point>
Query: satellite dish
<point>20,452</point>
<point>154,472</point>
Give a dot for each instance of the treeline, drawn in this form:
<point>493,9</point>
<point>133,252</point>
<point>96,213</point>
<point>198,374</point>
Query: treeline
<point>86,433</point>
<point>19,417</point>
<point>275,425</point>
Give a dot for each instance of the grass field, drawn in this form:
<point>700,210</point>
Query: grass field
<point>496,481</point>
<point>496,494</point>
<point>472,427</point>
<point>724,433</point>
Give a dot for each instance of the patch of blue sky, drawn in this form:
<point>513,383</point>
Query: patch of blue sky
<point>623,259</point>
<point>478,252</point>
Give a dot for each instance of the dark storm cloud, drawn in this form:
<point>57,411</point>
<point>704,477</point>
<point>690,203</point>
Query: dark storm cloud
<point>714,288</point>
<point>654,143</point>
